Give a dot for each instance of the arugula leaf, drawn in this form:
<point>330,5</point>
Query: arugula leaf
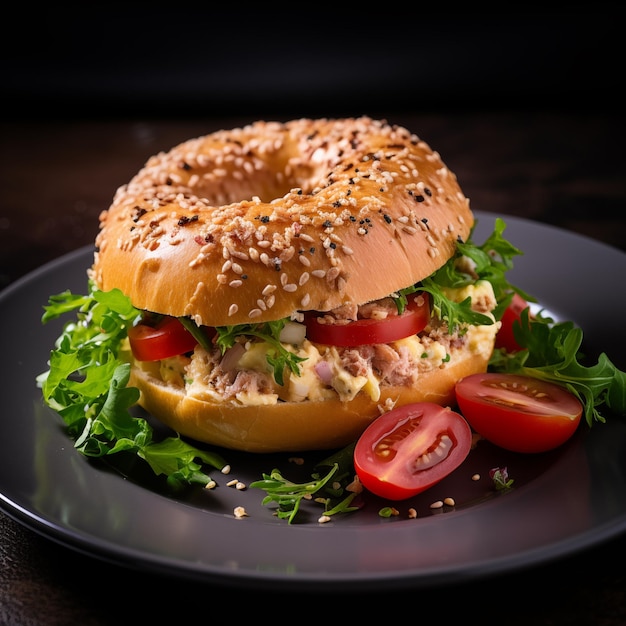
<point>278,357</point>
<point>552,351</point>
<point>87,384</point>
<point>289,495</point>
<point>470,263</point>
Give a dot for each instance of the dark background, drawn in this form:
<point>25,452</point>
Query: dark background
<point>179,59</point>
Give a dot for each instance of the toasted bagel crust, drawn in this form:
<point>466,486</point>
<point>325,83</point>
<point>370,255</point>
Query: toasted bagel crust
<point>255,223</point>
<point>293,426</point>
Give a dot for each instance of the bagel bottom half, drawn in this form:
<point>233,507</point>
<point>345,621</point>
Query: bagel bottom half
<point>293,426</point>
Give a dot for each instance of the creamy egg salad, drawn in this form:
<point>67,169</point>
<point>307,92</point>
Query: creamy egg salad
<point>325,371</point>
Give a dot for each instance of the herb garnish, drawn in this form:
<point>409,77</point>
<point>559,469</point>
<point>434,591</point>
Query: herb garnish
<point>87,385</point>
<point>501,480</point>
<point>278,357</point>
<point>553,353</point>
<point>470,263</point>
<point>335,498</point>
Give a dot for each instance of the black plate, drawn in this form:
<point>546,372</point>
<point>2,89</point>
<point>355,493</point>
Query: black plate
<point>562,501</point>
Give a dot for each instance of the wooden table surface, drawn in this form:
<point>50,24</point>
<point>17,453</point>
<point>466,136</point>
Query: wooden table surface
<point>56,177</point>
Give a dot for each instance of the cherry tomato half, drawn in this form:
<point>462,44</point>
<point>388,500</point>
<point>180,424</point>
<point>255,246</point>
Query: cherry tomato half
<point>167,338</point>
<point>411,448</point>
<point>512,315</point>
<point>370,331</point>
<point>518,413</point>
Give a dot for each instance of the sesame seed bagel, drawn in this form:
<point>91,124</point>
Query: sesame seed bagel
<point>252,224</point>
<point>267,222</point>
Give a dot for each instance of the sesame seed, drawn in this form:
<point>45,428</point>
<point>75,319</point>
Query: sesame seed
<point>232,309</point>
<point>239,512</point>
<point>332,274</point>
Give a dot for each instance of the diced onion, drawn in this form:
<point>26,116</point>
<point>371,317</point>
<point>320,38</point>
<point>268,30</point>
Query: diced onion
<point>293,333</point>
<point>324,371</point>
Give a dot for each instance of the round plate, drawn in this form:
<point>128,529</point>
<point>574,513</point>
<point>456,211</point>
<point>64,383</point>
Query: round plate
<point>561,502</point>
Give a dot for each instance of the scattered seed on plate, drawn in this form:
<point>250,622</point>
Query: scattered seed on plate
<point>449,502</point>
<point>412,513</point>
<point>476,477</point>
<point>237,484</point>
<point>240,512</point>
<point>355,486</point>
<point>226,469</point>
<point>436,505</point>
<point>210,485</point>
<point>324,519</point>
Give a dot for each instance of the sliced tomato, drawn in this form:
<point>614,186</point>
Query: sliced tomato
<point>519,413</point>
<point>165,339</point>
<point>370,331</point>
<point>411,448</point>
<point>512,315</point>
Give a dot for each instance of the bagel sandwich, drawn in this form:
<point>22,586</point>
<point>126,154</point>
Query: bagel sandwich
<point>295,280</point>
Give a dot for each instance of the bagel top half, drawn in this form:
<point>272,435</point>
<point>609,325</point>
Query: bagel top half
<point>253,224</point>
